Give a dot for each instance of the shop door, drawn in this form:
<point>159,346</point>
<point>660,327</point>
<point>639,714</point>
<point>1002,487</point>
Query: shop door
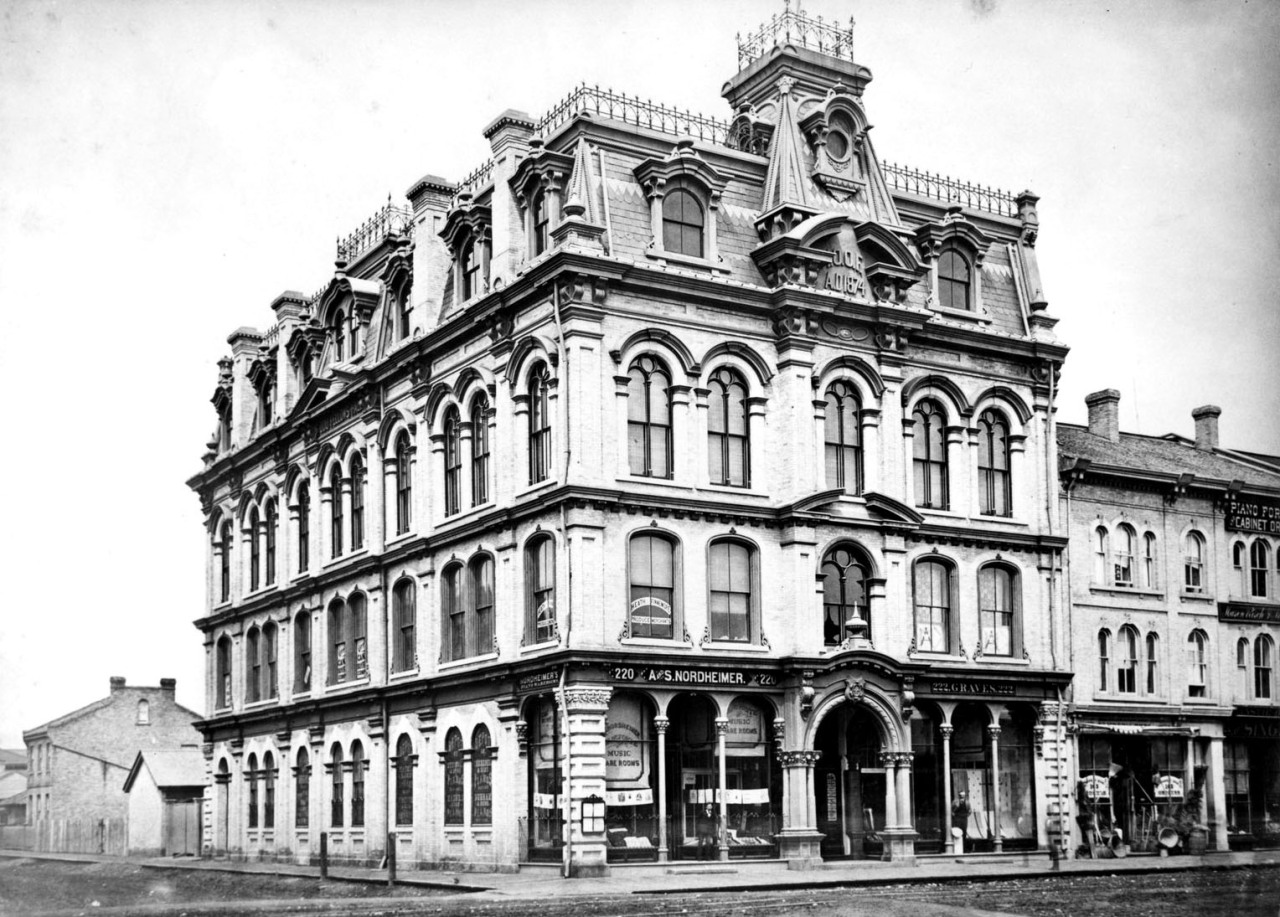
<point>830,805</point>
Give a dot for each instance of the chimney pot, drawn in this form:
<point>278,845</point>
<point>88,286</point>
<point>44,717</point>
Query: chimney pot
<point>168,684</point>
<point>1206,418</point>
<point>117,682</point>
<point>1104,414</point>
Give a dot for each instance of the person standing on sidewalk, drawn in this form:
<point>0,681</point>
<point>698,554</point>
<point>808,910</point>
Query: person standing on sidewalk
<point>960,819</point>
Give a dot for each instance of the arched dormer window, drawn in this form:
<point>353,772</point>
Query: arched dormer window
<point>255,550</point>
<point>480,451</point>
<point>930,456</point>
<point>404,483</point>
<point>357,503</point>
<point>843,438</point>
<point>728,429</point>
<point>954,281</point>
<point>934,618</point>
<point>683,222</point>
<point>336,516</point>
<point>653,561</point>
<point>995,490</point>
<point>540,220</point>
<point>846,611</point>
<point>649,418</point>
<point>339,336</point>
<point>452,462</point>
<point>539,423</point>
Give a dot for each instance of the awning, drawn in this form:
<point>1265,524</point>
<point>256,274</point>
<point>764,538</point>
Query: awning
<point>1139,729</point>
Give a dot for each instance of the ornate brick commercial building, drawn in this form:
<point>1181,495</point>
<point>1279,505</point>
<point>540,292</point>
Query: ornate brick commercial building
<point>687,486</point>
<point>1175,605</point>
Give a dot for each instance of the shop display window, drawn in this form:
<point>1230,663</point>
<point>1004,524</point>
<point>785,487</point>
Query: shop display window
<point>631,779</point>
<point>544,828</point>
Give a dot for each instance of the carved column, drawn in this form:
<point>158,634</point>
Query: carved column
<point>722,797</point>
<point>799,841</point>
<point>660,724</point>
<point>948,840</point>
<point>904,789</point>
<point>994,732</point>
<point>889,761</point>
<point>586,708</point>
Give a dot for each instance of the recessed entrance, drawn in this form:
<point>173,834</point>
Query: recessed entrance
<point>849,784</point>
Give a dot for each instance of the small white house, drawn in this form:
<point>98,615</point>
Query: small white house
<point>165,790</point>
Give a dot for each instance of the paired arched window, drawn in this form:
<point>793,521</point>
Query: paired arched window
<point>1153,661</point>
<point>652,609</point>
<point>269,541</point>
<point>348,650</point>
<point>357,784</point>
<point>251,776</point>
<point>452,462</point>
<point>683,222</point>
<point>480,451</point>
<point>540,590</point>
<point>1104,659</point>
<point>268,791</point>
<point>1124,562</point>
<point>304,526</point>
<point>403,763</point>
<point>842,435</point>
<point>224,562</point>
<point>222,688</point>
<point>845,609</point>
<point>268,687</point>
<point>1193,562</point>
<point>1198,664</point>
<point>1263,650</point>
<point>404,483</point>
<point>302,790</point>
<point>1150,576</point>
<point>933,605</point>
<point>482,752</point>
<point>335,793</point>
<point>995,489</point>
<point>255,551</point>
<point>649,418</point>
<point>302,652</point>
<point>454,778</point>
<point>728,429</point>
<point>539,423</point>
<point>1259,568</point>
<point>734,591</point>
<point>467,607</point>
<point>335,511</point>
<point>1242,667</point>
<point>1127,664</point>
<point>253,664</point>
<point>1122,556</point>
<point>999,599</point>
<point>1101,548</point>
<point>955,281</point>
<point>357,503</point>
<point>404,611</point>
<point>930,456</point>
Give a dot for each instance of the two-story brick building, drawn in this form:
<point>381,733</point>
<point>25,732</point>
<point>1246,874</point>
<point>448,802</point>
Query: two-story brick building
<point>78,762</point>
<point>677,483</point>
<point>1175,615</point>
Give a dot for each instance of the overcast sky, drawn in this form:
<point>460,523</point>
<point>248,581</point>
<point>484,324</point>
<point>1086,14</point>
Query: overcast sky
<point>168,167</point>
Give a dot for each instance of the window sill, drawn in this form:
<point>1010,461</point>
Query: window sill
<point>534,488</point>
<point>304,694</point>
<point>731,490</point>
<point>265,590</point>
<point>1196,597</point>
<point>1199,702</point>
<point>261,704</point>
<point>672,644</point>
<point>961,314</point>
<point>343,686</point>
<point>1113,697</point>
<point>657,482</point>
<point>993,659</point>
<point>940,513</point>
<point>301,575</point>
<point>538,647</point>
<point>403,676</point>
<point>1253,600</point>
<point>1001,520</point>
<point>463,663</point>
<point>930,656</point>
<point>675,259</point>
<point>723,645</point>
<point>343,558</point>
<point>1127,590</point>
<point>396,539</point>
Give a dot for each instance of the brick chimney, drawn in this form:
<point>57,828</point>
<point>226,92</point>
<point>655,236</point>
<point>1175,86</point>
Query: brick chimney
<point>1104,414</point>
<point>1206,419</point>
<point>168,685</point>
<point>117,683</point>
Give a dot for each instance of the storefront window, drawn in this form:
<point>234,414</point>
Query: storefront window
<point>926,779</point>
<point>1017,810</point>
<point>631,779</point>
<point>1252,777</point>
<point>971,773</point>
<point>546,789</point>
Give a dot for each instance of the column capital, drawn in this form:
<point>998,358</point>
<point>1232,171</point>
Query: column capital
<point>798,758</point>
<point>888,759</point>
<point>994,732</point>
<point>947,731</point>
<point>722,726</point>
<point>660,724</point>
<point>576,698</point>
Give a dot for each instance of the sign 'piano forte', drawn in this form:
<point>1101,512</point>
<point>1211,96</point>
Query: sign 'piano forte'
<point>1252,514</point>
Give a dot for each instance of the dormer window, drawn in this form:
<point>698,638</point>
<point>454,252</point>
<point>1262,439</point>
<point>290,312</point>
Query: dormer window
<point>954,281</point>
<point>470,272</point>
<point>839,138</point>
<point>683,220</point>
<point>541,224</point>
<point>339,337</point>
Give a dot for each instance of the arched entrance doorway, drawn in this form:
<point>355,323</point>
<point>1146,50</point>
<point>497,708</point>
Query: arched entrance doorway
<point>849,783</point>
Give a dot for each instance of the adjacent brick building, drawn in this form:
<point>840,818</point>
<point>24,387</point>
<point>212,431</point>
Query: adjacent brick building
<point>673,480</point>
<point>78,762</point>
<point>1175,619</point>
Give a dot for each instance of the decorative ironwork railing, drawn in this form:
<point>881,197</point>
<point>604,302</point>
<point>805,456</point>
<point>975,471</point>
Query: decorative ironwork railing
<point>797,29</point>
<point>953,191</point>
<point>390,219</point>
<point>632,110</point>
<point>479,177</point>
<point>272,337</point>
